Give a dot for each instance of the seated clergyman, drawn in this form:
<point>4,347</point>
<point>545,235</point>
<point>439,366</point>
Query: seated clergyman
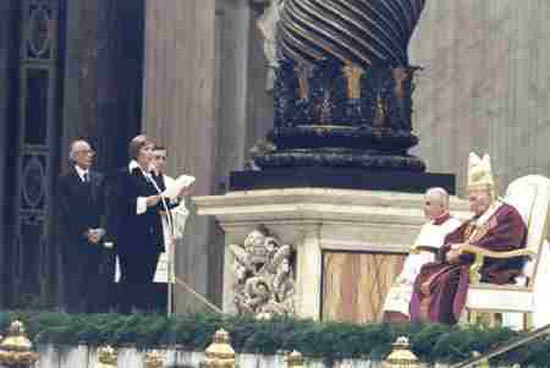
<point>440,289</point>
<point>429,239</point>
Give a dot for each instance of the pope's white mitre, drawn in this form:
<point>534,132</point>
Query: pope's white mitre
<point>479,171</point>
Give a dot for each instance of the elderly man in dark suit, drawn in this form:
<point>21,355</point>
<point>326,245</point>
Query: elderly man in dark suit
<point>82,233</point>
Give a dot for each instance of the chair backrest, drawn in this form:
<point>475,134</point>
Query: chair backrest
<point>530,195</point>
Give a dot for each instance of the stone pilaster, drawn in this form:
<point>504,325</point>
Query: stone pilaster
<point>308,272</point>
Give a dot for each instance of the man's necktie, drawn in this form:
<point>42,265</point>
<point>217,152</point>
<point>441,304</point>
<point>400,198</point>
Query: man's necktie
<point>86,177</point>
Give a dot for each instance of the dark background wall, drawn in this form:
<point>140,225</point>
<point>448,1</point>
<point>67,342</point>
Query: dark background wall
<point>9,12</point>
<point>103,76</point>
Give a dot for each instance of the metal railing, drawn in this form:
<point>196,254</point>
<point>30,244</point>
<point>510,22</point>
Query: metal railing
<point>511,345</point>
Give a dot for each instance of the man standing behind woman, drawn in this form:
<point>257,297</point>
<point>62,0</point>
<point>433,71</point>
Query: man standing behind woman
<point>173,223</point>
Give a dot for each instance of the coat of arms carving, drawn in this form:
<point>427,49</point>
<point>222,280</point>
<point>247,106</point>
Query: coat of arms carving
<point>264,275</point>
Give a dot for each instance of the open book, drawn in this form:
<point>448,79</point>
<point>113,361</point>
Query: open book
<point>174,188</point>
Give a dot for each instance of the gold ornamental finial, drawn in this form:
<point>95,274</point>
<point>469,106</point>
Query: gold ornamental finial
<point>295,359</point>
<point>153,359</point>
<point>107,357</point>
<point>220,354</point>
<point>15,349</point>
<point>401,356</point>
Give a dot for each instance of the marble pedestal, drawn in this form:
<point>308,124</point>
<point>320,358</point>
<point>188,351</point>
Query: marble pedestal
<point>350,244</point>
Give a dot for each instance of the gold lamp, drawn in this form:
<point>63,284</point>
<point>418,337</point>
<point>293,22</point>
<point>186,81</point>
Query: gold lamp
<point>107,357</point>
<point>15,349</point>
<point>295,359</point>
<point>220,354</point>
<point>153,359</point>
<point>401,355</point>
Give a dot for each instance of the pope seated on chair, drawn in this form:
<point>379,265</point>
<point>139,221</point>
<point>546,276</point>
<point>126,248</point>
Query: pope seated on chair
<point>440,289</point>
<point>429,239</point>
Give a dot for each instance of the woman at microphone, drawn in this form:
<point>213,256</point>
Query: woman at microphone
<point>139,228</point>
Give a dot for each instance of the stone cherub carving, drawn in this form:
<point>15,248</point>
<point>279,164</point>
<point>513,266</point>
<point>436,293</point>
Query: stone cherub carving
<point>264,275</point>
<point>267,25</point>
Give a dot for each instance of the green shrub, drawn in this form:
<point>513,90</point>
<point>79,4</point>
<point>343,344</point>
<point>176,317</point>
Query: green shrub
<point>326,340</point>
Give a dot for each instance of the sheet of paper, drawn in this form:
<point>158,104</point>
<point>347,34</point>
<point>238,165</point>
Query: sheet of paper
<point>174,188</point>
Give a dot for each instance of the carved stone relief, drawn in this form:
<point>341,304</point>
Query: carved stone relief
<point>264,275</point>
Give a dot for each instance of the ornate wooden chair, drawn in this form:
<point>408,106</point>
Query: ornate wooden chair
<point>530,195</point>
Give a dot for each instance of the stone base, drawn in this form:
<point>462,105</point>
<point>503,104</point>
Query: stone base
<point>320,177</point>
<point>340,158</point>
<point>339,236</point>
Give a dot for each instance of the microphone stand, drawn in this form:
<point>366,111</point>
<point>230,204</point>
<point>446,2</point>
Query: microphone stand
<point>171,248</point>
<point>170,259</point>
<point>172,279</point>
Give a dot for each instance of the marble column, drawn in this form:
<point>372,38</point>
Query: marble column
<point>232,88</point>
<point>179,103</point>
<point>179,73</point>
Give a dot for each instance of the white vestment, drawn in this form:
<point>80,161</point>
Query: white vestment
<point>431,235</point>
<point>179,217</point>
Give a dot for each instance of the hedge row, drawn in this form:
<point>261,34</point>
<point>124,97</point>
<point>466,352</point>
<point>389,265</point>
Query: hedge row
<point>328,340</point>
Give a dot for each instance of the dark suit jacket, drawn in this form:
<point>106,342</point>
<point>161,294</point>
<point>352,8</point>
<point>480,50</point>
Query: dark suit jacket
<point>137,234</point>
<point>81,207</point>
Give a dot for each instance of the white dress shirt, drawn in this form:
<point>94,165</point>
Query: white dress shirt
<point>81,172</point>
